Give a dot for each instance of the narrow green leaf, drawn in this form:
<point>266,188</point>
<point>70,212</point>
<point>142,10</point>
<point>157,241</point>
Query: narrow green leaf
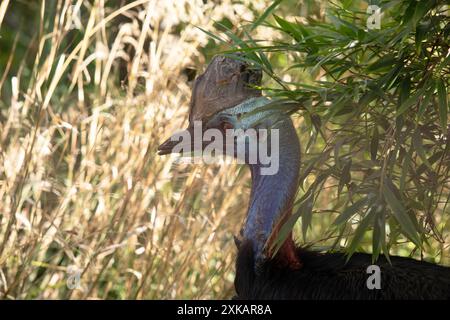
<point>421,33</point>
<point>382,222</point>
<point>404,90</point>
<point>362,228</point>
<point>427,99</point>
<point>260,53</point>
<point>405,169</point>
<point>306,214</point>
<point>418,146</point>
<point>337,147</point>
<point>377,238</point>
<point>345,175</point>
<point>265,14</point>
<point>379,231</point>
<point>212,35</point>
<point>411,101</point>
<point>400,213</point>
<point>409,12</point>
<point>431,160</point>
<point>421,10</point>
<point>350,211</point>
<point>346,3</point>
<point>289,28</point>
<point>443,104</point>
<point>384,63</point>
<point>374,142</point>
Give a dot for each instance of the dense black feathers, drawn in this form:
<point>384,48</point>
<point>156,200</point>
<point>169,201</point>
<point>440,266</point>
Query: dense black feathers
<point>327,276</point>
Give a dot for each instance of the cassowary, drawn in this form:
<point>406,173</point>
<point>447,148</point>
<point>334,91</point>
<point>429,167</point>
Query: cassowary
<point>223,98</point>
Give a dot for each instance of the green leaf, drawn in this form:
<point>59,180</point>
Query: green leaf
<point>384,63</point>
<point>405,169</point>
<point>260,53</point>
<point>431,160</point>
<point>425,103</point>
<point>382,222</point>
<point>379,235</point>
<point>421,34</point>
<point>418,146</point>
<point>399,212</point>
<point>306,214</point>
<point>289,28</point>
<point>409,102</point>
<point>374,142</point>
<point>443,105</point>
<point>389,80</point>
<point>212,35</point>
<point>345,175</point>
<point>223,25</point>
<point>346,3</point>
<point>337,147</point>
<point>421,10</point>
<point>404,89</point>
<point>350,211</point>
<point>362,228</point>
<point>263,17</point>
<point>409,12</point>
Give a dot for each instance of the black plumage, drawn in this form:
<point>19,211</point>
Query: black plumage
<point>328,277</point>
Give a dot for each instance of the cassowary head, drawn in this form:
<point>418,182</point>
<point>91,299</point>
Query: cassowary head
<point>225,99</point>
<point>226,83</point>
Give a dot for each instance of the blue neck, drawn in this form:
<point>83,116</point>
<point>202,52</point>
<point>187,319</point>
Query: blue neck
<point>272,195</point>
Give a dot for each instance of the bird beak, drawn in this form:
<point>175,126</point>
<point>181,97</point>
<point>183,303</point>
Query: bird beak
<point>167,147</point>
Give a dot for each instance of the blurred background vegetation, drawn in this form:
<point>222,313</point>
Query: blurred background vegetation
<point>90,88</point>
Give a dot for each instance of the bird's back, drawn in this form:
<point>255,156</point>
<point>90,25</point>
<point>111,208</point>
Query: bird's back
<point>328,276</point>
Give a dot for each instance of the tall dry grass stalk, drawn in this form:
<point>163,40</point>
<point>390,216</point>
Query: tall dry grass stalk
<point>82,192</point>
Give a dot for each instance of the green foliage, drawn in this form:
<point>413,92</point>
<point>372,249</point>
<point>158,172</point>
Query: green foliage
<point>375,103</point>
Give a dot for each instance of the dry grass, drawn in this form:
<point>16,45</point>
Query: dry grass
<point>81,186</point>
